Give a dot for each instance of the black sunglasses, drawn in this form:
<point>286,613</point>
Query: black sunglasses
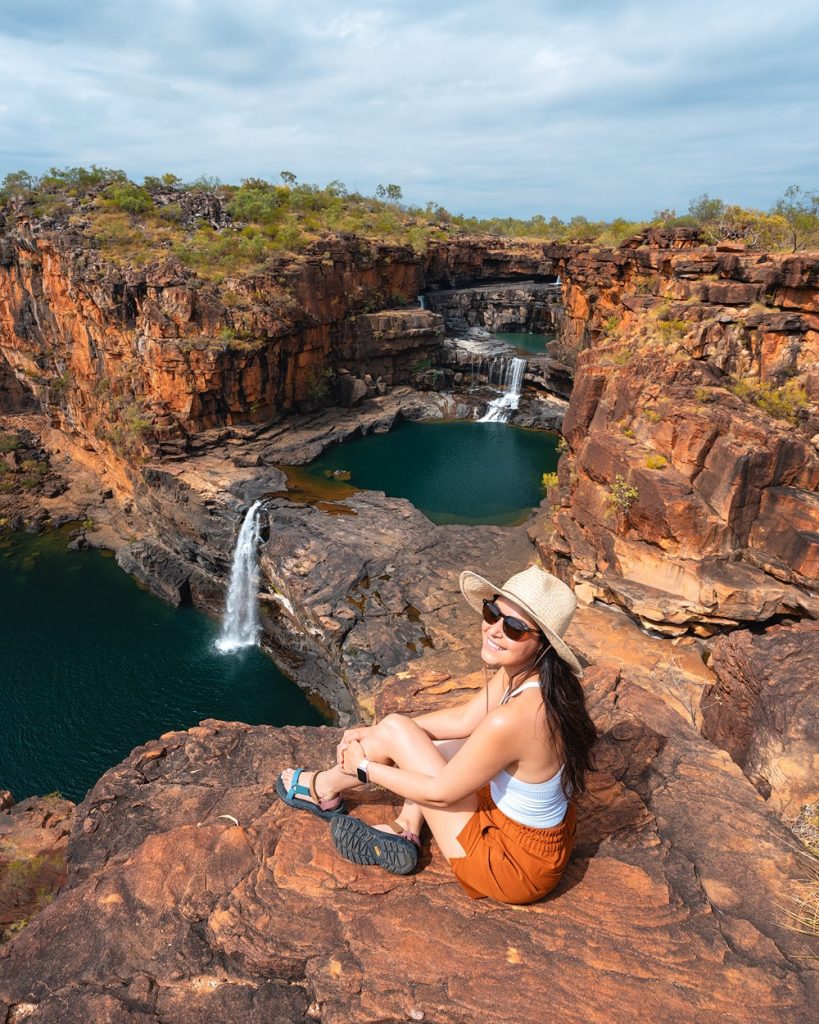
<point>513,628</point>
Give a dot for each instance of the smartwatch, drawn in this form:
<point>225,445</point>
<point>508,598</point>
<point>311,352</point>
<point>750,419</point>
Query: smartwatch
<point>361,771</point>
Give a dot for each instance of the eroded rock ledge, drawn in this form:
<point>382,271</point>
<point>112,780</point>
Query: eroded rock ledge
<point>193,894</point>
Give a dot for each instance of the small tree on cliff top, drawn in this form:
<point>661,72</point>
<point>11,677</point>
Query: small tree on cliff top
<point>705,209</point>
<point>800,210</point>
<point>390,192</point>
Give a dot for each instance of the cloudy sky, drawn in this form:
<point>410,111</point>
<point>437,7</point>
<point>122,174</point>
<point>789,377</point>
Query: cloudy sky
<point>601,107</point>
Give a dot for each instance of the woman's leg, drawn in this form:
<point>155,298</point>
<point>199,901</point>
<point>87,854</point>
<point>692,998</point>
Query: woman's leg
<point>398,739</point>
<point>406,744</point>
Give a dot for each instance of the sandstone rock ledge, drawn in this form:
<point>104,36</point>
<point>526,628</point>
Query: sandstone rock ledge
<point>195,896</point>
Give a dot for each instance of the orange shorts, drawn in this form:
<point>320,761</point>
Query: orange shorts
<point>510,862</point>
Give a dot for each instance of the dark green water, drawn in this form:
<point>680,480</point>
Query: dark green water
<point>527,343</point>
<point>455,472</point>
<point>91,666</point>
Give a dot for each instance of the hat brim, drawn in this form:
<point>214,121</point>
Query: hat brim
<point>476,590</point>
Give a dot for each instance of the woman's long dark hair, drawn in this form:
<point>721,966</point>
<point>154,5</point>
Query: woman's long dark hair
<point>566,716</point>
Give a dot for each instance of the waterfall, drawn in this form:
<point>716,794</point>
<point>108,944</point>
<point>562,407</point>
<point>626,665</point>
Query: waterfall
<point>422,301</point>
<point>240,626</point>
<point>500,409</point>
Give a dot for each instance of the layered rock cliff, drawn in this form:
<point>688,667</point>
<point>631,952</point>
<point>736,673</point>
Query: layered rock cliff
<point>688,494</point>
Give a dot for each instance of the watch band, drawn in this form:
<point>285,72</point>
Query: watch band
<point>361,771</point>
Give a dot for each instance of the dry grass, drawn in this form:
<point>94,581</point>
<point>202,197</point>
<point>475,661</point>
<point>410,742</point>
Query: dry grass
<point>801,912</point>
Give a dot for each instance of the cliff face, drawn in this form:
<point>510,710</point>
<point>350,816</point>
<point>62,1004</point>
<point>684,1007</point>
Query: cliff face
<point>124,358</point>
<point>526,307</point>
<point>688,494</point>
<point>763,709</point>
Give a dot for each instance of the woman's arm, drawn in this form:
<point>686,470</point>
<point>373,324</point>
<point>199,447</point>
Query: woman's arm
<point>492,746</point>
<point>452,723</point>
<point>461,720</point>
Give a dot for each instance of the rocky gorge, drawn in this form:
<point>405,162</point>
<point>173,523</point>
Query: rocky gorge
<point>686,497</point>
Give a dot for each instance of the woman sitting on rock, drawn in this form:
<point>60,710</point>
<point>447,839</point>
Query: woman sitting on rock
<point>494,777</point>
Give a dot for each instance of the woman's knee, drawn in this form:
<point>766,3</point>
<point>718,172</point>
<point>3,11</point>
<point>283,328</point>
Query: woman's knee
<point>389,733</point>
<point>395,723</point>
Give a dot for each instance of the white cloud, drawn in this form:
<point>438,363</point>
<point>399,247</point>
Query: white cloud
<point>559,106</point>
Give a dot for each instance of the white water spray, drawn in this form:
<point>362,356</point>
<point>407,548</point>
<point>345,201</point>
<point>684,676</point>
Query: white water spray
<point>240,626</point>
<point>501,408</point>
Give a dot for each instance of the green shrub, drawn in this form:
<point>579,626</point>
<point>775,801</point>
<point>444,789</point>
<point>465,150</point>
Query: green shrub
<point>548,480</point>
<point>611,325</point>
<point>656,461</point>
<point>17,877</point>
<point>128,197</point>
<point>672,330</point>
<point>651,415</point>
<point>9,443</point>
<point>621,496</point>
<point>77,181</point>
<point>643,284</point>
<point>562,445</point>
<point>703,394</point>
<point>318,384</point>
<point>781,403</point>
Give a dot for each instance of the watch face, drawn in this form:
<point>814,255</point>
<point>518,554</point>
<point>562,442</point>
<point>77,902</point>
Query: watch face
<point>362,775</point>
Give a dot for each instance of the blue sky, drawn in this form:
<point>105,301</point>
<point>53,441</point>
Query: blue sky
<point>557,107</point>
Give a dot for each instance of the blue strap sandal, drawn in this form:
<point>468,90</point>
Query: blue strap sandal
<point>327,809</point>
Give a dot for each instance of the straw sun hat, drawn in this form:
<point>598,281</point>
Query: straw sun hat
<point>545,599</point>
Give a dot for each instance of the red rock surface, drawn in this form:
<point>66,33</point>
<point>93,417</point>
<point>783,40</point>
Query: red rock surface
<point>33,841</point>
<point>764,710</point>
<point>174,911</point>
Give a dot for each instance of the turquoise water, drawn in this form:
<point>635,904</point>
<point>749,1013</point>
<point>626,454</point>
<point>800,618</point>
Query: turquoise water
<point>527,343</point>
<point>455,472</point>
<point>92,666</point>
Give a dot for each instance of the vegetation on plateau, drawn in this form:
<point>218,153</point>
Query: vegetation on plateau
<point>220,229</point>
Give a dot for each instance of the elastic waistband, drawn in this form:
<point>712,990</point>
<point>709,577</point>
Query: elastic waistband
<point>531,838</point>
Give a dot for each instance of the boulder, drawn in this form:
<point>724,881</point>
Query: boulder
<point>764,710</point>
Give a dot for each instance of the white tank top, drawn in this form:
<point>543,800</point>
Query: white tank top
<point>539,804</point>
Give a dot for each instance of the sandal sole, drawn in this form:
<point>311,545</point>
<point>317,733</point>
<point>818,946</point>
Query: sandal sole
<point>362,844</point>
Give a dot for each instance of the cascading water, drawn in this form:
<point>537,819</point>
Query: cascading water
<point>501,408</point>
<point>240,626</point>
<point>422,301</point>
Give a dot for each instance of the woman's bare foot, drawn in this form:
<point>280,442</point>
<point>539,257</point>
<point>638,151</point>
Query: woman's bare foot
<point>308,779</point>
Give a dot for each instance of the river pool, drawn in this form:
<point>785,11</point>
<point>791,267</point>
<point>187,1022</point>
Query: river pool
<point>92,666</point>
